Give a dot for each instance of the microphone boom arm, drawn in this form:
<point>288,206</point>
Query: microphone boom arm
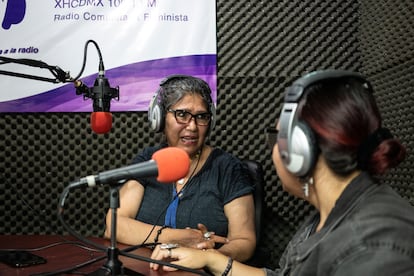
<point>56,71</point>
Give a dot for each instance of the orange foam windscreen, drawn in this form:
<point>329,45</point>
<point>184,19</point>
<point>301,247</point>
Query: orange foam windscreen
<point>173,164</point>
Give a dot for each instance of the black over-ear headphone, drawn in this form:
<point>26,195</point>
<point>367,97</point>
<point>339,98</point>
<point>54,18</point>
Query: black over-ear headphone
<point>156,110</point>
<point>296,140</point>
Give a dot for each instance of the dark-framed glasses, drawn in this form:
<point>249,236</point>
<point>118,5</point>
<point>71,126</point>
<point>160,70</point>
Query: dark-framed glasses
<point>271,136</point>
<point>184,117</point>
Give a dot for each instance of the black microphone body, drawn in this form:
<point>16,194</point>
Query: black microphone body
<point>119,176</point>
<point>102,94</point>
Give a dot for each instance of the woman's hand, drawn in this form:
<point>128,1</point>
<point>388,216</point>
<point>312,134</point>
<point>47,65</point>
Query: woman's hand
<point>192,258</point>
<point>209,238</point>
<point>184,256</point>
<point>199,238</point>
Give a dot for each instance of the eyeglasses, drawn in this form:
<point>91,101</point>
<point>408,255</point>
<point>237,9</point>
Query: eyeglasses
<point>271,135</point>
<point>184,117</point>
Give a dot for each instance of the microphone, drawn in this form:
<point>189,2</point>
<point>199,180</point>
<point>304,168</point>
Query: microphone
<point>101,93</point>
<point>168,164</point>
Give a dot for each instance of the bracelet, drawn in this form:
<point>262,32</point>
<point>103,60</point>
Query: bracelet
<point>228,267</point>
<point>159,233</point>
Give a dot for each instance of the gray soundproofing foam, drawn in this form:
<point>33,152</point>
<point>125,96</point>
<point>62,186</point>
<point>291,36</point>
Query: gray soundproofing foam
<point>262,47</point>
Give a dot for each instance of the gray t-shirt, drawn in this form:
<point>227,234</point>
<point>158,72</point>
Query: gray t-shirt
<point>220,180</point>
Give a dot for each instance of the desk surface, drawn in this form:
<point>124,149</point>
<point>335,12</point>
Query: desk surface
<point>66,255</point>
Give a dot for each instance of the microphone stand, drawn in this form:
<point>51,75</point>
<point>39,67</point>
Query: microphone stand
<point>113,265</point>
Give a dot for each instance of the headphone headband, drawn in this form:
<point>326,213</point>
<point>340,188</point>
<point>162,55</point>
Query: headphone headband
<point>295,91</point>
<point>171,77</point>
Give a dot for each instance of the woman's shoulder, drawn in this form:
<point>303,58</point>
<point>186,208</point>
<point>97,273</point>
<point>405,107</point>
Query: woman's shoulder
<point>146,153</point>
<point>223,161</point>
<point>218,154</point>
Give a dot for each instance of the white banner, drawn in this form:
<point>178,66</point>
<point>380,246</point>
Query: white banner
<point>141,42</point>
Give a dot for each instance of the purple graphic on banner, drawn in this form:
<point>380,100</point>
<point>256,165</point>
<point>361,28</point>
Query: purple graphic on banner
<point>15,11</point>
<point>137,84</point>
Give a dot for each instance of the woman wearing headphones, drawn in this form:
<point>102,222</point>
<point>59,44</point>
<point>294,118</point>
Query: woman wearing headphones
<point>330,146</point>
<point>212,207</point>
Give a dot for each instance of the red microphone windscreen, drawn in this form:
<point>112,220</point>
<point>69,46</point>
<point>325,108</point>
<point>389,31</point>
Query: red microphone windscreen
<point>101,122</point>
<point>173,164</point>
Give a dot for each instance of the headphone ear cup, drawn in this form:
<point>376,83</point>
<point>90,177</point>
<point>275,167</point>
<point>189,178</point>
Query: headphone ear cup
<point>303,150</point>
<point>155,114</point>
<point>213,116</point>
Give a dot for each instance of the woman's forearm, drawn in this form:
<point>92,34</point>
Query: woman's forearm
<point>130,231</point>
<point>218,264</point>
<point>239,249</point>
